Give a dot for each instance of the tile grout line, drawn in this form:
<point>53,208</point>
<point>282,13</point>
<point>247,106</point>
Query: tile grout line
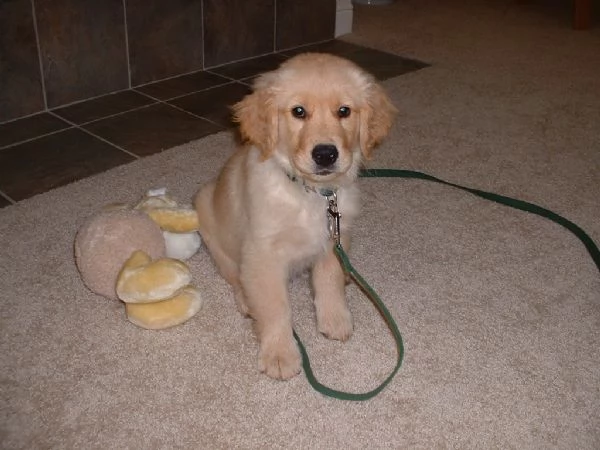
<point>95,97</point>
<point>191,72</point>
<point>99,137</point>
<point>203,32</point>
<point>120,113</point>
<point>250,58</point>
<point>229,81</point>
<point>73,103</point>
<point>224,76</point>
<point>25,141</point>
<point>127,43</point>
<point>181,109</point>
<point>297,47</point>
<point>39,51</point>
<point>2,194</point>
<point>275,27</point>
<point>6,122</point>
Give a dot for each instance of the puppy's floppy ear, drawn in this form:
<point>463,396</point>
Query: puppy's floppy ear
<point>376,118</point>
<point>257,115</point>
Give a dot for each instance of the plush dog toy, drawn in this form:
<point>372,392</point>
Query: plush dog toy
<point>136,255</point>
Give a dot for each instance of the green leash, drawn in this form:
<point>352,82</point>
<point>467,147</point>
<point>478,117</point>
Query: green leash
<point>587,241</point>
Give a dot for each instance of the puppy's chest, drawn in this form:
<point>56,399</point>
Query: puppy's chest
<point>296,224</point>
<point>307,220</point>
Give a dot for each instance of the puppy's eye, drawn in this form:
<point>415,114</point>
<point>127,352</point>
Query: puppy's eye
<point>343,111</point>
<point>299,112</point>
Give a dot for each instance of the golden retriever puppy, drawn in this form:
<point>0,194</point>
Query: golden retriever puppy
<point>307,127</point>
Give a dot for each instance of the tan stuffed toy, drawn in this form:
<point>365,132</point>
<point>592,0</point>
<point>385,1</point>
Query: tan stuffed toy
<point>135,255</point>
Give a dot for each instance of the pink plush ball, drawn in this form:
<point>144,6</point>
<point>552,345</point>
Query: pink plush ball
<point>105,241</point>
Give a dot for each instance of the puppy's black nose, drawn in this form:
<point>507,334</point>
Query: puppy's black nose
<point>325,155</point>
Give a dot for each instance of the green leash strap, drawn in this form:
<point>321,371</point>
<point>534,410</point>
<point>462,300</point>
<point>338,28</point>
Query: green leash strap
<point>587,241</point>
<point>591,247</point>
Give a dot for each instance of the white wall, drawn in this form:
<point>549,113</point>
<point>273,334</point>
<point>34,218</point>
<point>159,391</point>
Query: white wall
<point>343,18</point>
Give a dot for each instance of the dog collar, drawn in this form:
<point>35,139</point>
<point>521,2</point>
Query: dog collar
<point>324,191</point>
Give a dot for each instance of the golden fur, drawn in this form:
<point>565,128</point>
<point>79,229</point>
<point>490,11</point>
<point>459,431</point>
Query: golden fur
<point>263,217</point>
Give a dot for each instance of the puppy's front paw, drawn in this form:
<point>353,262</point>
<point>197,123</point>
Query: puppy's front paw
<point>279,358</point>
<point>335,323</point>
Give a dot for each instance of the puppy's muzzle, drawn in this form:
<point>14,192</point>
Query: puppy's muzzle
<point>325,156</point>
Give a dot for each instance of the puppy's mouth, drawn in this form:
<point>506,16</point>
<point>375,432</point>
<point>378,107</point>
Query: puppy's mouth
<point>321,174</point>
<point>324,172</point>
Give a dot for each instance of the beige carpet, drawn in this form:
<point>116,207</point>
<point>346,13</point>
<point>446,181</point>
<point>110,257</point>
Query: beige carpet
<point>500,310</point>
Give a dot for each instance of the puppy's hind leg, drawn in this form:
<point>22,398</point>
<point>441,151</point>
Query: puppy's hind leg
<point>230,271</point>
<point>226,266</point>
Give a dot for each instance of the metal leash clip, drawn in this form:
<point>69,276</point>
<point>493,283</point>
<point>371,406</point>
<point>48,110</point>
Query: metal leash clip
<point>333,218</point>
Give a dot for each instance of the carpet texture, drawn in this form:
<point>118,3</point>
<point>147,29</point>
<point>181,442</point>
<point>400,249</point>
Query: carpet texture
<point>499,309</point>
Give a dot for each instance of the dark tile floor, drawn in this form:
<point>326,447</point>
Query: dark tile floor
<point>65,144</point>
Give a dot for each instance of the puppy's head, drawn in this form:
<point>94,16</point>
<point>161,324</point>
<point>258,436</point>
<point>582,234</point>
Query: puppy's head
<point>318,115</point>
